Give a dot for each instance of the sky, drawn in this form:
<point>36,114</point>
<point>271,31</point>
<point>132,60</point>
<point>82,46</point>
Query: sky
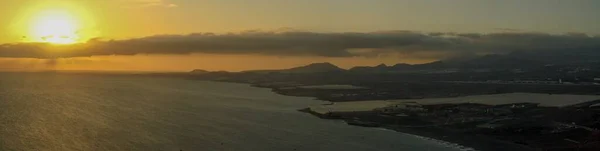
<point>235,35</point>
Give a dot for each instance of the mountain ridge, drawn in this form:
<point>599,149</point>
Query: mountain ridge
<point>510,61</point>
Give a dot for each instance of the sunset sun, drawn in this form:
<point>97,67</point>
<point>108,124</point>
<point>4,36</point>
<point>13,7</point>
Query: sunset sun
<point>55,26</point>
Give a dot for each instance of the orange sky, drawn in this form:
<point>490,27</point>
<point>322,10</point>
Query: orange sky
<point>77,21</point>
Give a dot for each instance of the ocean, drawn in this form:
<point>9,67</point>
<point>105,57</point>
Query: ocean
<point>62,112</point>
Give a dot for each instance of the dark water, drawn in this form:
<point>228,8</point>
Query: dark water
<point>83,112</point>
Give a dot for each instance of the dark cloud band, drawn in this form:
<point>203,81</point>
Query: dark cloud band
<point>312,44</point>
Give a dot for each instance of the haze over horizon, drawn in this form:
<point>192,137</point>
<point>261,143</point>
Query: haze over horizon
<point>235,35</point>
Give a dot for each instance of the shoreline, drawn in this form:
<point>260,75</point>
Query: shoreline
<point>454,138</point>
<point>462,141</point>
<point>468,141</point>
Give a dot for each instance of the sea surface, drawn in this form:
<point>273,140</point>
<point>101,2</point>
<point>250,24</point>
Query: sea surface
<point>62,112</point>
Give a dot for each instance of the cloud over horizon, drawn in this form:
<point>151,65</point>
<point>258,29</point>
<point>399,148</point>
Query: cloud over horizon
<point>293,43</point>
<point>151,3</point>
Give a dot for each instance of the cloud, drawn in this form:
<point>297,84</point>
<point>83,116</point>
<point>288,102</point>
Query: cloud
<point>151,3</point>
<point>20,64</point>
<point>172,5</point>
<point>507,29</point>
<point>295,43</point>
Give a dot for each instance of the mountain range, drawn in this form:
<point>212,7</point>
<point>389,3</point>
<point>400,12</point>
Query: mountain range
<point>511,61</point>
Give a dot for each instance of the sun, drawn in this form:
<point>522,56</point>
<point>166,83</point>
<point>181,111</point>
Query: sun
<point>55,26</point>
<point>58,22</point>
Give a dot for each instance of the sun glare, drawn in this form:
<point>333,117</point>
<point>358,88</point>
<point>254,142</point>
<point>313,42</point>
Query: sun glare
<point>55,26</point>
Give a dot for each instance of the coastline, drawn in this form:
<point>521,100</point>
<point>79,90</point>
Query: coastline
<point>467,142</point>
<point>361,115</point>
<point>461,141</point>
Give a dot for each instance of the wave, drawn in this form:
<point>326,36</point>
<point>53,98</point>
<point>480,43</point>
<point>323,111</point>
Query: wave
<point>437,141</point>
<point>444,143</point>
